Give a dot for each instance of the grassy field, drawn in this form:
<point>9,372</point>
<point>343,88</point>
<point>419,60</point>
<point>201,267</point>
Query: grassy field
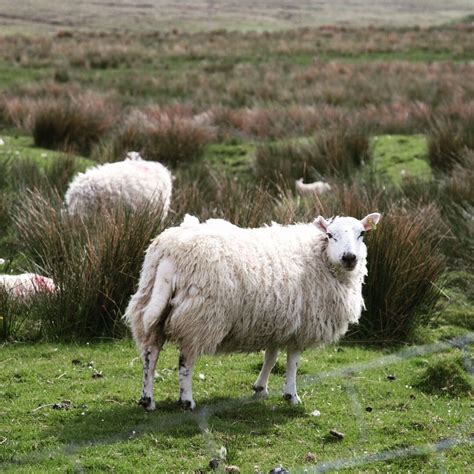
<point>384,114</point>
<point>73,407</point>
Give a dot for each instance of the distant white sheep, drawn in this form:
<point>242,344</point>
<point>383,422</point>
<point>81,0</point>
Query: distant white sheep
<point>134,182</point>
<point>26,285</point>
<point>311,189</point>
<point>215,287</point>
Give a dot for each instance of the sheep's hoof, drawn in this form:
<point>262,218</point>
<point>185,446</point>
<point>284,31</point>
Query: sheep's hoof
<point>292,399</point>
<point>187,404</point>
<point>147,403</point>
<point>259,391</point>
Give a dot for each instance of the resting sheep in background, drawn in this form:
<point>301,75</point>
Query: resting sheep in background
<point>215,287</point>
<point>135,182</point>
<point>310,189</point>
<point>26,285</point>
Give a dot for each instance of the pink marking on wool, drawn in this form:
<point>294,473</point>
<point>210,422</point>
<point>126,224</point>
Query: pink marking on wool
<point>44,284</point>
<point>140,165</point>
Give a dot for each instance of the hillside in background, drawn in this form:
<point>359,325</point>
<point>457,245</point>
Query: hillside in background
<point>42,16</point>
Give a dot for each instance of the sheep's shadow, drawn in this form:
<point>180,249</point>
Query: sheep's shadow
<point>79,429</point>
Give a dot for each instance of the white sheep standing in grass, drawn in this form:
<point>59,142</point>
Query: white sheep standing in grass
<point>311,189</point>
<point>134,182</point>
<point>26,285</point>
<point>215,287</point>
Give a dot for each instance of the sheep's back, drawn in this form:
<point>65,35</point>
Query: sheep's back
<point>246,289</point>
<point>134,183</point>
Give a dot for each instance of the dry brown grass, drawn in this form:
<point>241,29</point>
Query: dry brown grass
<point>169,135</point>
<point>76,124</point>
<point>257,85</point>
<point>95,262</point>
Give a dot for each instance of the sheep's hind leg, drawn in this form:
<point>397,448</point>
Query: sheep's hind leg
<point>186,364</point>
<point>150,358</point>
<point>260,387</point>
<point>289,393</point>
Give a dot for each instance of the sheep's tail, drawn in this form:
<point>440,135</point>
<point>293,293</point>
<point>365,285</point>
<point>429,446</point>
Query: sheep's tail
<point>151,302</point>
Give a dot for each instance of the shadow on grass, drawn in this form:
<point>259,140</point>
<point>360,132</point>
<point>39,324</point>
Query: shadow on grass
<point>81,429</point>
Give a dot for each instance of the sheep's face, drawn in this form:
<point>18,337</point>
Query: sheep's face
<point>345,238</point>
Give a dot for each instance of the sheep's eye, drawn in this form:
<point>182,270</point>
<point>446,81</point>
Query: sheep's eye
<point>362,234</point>
<point>330,236</point>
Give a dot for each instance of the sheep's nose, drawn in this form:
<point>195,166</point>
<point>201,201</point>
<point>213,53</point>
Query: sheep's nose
<point>349,260</point>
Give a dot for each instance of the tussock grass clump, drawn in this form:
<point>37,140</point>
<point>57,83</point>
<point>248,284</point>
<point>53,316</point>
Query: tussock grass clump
<point>20,174</point>
<point>334,152</point>
<point>209,194</point>
<point>12,315</point>
<point>163,137</point>
<point>95,263</point>
<point>445,376</point>
<point>282,163</point>
<point>453,194</point>
<point>448,141</point>
<point>405,263</point>
<point>457,204</point>
<point>74,125</point>
<point>18,317</point>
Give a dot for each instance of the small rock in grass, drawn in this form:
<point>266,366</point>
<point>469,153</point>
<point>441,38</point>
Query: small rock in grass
<point>310,457</point>
<point>214,463</point>
<point>279,470</point>
<point>64,405</point>
<point>316,413</point>
<point>391,377</point>
<point>336,434</point>
<point>202,377</point>
<point>369,409</point>
<point>233,469</point>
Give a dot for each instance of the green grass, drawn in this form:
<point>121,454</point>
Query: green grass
<point>398,157</point>
<point>234,158</point>
<point>458,302</point>
<point>21,146</point>
<point>395,156</point>
<point>11,75</point>
<point>104,429</point>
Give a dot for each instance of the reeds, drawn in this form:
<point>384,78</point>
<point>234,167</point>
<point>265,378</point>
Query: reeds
<point>95,263</point>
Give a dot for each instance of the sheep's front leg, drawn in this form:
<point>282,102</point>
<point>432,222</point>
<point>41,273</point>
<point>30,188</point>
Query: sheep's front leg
<point>260,387</point>
<point>186,364</point>
<point>150,357</point>
<point>289,392</point>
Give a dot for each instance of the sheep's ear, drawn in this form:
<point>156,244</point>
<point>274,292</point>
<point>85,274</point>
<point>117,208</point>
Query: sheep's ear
<point>321,223</point>
<point>370,222</point>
